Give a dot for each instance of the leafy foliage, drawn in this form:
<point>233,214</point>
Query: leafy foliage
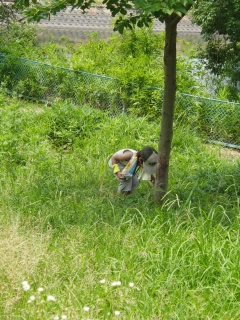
<point>42,138</point>
<point>143,15</point>
<point>135,59</point>
<point>71,125</point>
<point>20,40</point>
<point>7,13</point>
<point>220,24</point>
<point>171,16</point>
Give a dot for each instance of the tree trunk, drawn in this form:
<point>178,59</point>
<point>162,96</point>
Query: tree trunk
<point>166,132</point>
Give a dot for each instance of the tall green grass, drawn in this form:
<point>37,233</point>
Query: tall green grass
<point>64,229</point>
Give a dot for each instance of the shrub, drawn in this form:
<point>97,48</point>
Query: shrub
<point>70,123</point>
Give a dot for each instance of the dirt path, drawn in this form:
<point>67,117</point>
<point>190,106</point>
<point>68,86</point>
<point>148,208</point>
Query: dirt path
<point>227,153</point>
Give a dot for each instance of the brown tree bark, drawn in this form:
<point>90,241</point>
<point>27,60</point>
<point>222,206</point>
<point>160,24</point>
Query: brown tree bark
<point>166,130</point>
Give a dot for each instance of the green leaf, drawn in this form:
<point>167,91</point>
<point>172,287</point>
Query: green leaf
<point>168,11</point>
<point>123,11</point>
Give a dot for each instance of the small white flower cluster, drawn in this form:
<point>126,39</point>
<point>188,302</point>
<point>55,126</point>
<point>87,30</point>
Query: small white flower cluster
<point>116,283</point>
<point>113,284</point>
<point>25,286</point>
<point>86,308</point>
<point>49,298</point>
<point>102,281</point>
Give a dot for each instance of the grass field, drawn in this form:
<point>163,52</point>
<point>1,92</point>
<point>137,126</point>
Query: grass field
<point>71,249</point>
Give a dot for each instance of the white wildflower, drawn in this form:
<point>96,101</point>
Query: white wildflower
<point>56,318</point>
<point>117,313</point>
<point>86,308</point>
<point>102,281</point>
<point>116,283</point>
<point>31,299</point>
<point>40,289</point>
<point>131,284</point>
<point>64,317</point>
<point>51,298</point>
<point>25,286</point>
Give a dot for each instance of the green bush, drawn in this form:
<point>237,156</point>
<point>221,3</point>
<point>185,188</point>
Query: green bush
<point>134,58</point>
<point>134,62</point>
<point>19,40</point>
<point>70,124</point>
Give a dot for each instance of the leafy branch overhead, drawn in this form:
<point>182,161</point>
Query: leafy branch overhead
<point>33,11</point>
<point>146,11</point>
<point>135,13</point>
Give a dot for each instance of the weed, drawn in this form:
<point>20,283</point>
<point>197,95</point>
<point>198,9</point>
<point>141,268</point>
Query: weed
<point>71,249</point>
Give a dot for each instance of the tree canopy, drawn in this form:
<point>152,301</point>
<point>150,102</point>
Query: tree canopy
<point>143,10</point>
<point>7,13</point>
<point>220,24</point>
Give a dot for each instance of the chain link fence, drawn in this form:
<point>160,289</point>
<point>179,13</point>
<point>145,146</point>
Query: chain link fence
<point>46,83</point>
<point>215,120</point>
